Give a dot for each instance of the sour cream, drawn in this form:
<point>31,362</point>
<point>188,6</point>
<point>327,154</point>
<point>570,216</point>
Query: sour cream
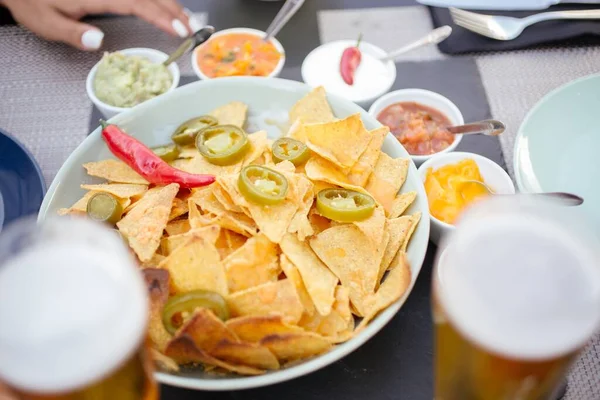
<point>372,78</point>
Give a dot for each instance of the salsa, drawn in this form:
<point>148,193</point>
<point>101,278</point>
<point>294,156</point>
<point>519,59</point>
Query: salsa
<point>237,54</point>
<point>419,128</point>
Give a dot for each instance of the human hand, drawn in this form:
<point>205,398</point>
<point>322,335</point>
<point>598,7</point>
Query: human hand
<point>58,20</point>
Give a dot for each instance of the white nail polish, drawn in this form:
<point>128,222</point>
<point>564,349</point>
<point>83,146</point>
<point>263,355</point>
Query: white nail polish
<point>179,28</point>
<point>193,21</point>
<point>92,39</point>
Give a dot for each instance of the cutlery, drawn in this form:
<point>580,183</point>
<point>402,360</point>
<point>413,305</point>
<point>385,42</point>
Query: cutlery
<point>434,37</point>
<point>568,199</point>
<point>191,43</point>
<point>489,127</point>
<point>287,11</point>
<point>505,5</point>
<point>508,28</point>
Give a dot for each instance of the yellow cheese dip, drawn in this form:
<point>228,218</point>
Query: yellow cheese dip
<point>126,81</point>
<point>447,193</point>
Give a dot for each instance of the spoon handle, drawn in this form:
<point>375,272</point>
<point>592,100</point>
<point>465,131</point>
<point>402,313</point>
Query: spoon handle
<point>489,127</point>
<point>567,199</point>
<point>191,43</point>
<point>434,37</point>
<point>283,16</point>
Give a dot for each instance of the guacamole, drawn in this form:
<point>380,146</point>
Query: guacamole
<point>125,81</point>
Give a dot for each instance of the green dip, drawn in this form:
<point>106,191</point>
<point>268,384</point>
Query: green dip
<point>125,81</point>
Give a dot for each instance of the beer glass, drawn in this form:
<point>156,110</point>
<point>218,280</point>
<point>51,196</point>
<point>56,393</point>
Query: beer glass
<point>73,314</point>
<point>516,295</point>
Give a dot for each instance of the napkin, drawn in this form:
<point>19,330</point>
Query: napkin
<point>559,32</point>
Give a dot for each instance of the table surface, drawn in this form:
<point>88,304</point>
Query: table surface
<point>43,103</point>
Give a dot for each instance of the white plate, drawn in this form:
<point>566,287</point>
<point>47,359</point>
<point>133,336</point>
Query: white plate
<point>153,122</point>
<point>557,148</point>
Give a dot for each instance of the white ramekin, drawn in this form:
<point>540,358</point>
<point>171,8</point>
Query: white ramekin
<point>261,34</point>
<point>151,54</point>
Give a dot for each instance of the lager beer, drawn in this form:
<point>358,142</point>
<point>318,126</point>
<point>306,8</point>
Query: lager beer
<point>73,312</point>
<point>516,295</point>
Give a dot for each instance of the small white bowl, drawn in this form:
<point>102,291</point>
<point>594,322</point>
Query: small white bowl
<point>250,31</point>
<point>151,54</point>
<point>427,98</point>
<point>321,67</point>
<point>493,175</point>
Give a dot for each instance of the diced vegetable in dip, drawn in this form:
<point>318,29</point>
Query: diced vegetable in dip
<point>125,81</point>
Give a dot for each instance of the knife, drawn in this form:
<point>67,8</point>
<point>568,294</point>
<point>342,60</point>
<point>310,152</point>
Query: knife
<point>504,5</point>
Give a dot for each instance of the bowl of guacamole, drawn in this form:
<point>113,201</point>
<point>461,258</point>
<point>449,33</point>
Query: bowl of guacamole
<point>126,78</point>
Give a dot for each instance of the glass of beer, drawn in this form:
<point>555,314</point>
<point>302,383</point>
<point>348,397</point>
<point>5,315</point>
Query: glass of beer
<point>516,295</point>
<point>73,314</point>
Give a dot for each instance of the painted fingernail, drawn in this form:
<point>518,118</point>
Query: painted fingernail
<point>193,21</point>
<point>92,39</point>
<point>179,28</point>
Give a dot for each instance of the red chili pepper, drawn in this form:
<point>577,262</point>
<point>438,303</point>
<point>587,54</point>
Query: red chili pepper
<point>139,157</point>
<point>350,61</point>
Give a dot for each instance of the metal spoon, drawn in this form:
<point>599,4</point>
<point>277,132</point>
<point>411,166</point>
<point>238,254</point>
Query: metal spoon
<point>568,199</point>
<point>191,43</point>
<point>434,37</point>
<point>489,127</point>
<point>287,11</point>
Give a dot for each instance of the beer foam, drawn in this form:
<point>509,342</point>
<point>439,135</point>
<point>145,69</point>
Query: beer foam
<point>522,283</point>
<point>73,308</point>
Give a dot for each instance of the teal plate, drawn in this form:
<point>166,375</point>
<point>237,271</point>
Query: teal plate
<point>558,145</point>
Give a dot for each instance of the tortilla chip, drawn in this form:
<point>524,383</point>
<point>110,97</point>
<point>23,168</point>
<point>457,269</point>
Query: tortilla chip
<point>352,257</point>
<point>237,222</point>
<point>258,145</point>
<point>143,226</point>
<point>339,324</point>
<point>153,262</point>
<point>398,230</point>
<point>292,273</point>
<point>195,219</point>
<point>188,152</point>
<point>341,142</point>
<point>233,113</point>
<point>249,354</point>
<point>228,242</point>
<point>114,171</point>
<point>300,223</point>
<point>255,328</point>
<point>200,165</point>
<point>183,350</point>
<point>81,204</point>
<point>393,288</point>
<point>253,264</point>
<point>415,218</point>
<point>360,172</point>
<point>70,212</point>
<point>171,243</point>
<point>320,282</point>
<point>206,330</point>
<point>180,207</point>
<point>319,169</point>
<point>401,203</point>
<point>223,197</point>
<point>178,227</point>
<point>312,108</point>
<point>295,346</point>
<point>162,362</point>
<point>374,226</point>
<point>206,200</point>
<point>121,190</point>
<point>318,222</point>
<point>157,282</point>
<point>196,265</point>
<point>271,297</point>
<point>387,179</point>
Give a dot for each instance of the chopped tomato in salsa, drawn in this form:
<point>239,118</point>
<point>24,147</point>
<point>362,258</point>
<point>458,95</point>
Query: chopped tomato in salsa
<point>419,128</point>
<point>237,54</point>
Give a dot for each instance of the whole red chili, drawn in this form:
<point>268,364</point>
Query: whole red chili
<point>350,61</point>
<point>143,160</point>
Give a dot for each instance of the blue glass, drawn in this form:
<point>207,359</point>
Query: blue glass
<point>22,185</point>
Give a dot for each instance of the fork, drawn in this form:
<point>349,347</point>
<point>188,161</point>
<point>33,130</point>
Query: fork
<point>508,28</point>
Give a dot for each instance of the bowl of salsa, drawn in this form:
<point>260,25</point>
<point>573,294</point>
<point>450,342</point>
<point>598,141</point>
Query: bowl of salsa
<point>419,119</point>
<point>238,52</point>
